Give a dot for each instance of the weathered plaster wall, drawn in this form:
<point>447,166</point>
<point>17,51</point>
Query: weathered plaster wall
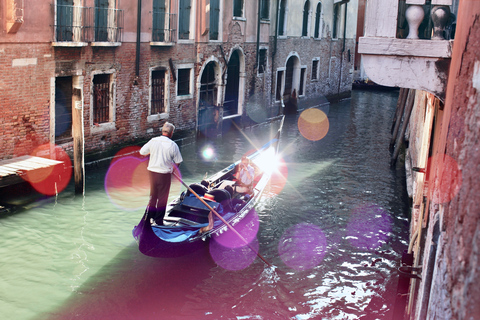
<point>455,292</point>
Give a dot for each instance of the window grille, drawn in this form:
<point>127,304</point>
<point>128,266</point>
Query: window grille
<point>101,98</point>
<point>314,69</point>
<point>158,92</point>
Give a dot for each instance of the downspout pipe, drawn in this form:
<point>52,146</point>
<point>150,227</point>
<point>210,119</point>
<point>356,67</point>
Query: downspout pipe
<point>258,33</point>
<point>274,51</point>
<point>139,27</point>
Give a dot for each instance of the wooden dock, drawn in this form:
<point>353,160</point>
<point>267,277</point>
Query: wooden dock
<point>12,170</point>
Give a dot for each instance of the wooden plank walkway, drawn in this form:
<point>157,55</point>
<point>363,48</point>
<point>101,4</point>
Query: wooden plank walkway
<point>11,170</point>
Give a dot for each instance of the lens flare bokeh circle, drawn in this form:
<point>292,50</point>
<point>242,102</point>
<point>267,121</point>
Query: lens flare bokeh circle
<point>127,183</point>
<point>50,180</point>
<point>369,227</point>
<point>234,259</point>
<point>302,246</point>
<point>313,124</point>
<point>448,186</point>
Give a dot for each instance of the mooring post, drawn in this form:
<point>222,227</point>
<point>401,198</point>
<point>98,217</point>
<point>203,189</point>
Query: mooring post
<point>78,133</point>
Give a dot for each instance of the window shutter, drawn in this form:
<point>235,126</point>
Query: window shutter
<point>214,18</point>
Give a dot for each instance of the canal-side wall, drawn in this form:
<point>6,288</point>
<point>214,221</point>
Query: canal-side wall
<point>446,188</point>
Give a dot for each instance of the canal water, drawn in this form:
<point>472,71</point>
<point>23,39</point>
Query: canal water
<point>334,230</point>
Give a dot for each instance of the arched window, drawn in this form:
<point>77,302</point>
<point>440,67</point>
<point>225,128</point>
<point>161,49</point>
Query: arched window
<point>306,13</point>
<point>318,17</point>
<point>208,85</point>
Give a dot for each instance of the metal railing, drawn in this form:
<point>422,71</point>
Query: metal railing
<point>87,24</point>
<point>107,25</point>
<point>71,23</point>
<point>164,26</point>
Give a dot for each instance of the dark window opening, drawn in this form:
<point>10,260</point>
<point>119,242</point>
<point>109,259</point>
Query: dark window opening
<point>63,109</point>
<point>101,98</point>
<point>281,18</point>
<point>289,77</point>
<point>314,69</point>
<point>336,21</point>
<point>262,60</point>
<point>318,16</point>
<point>158,92</point>
<point>214,18</point>
<point>230,105</point>
<point>302,81</point>
<point>208,85</point>
<point>278,95</point>
<point>238,8</point>
<point>183,83</point>
<point>265,9</point>
<point>306,9</point>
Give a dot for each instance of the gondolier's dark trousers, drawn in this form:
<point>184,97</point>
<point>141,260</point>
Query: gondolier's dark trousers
<point>159,190</point>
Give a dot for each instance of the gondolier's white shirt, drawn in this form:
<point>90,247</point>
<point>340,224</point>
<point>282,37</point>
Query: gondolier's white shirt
<point>164,153</point>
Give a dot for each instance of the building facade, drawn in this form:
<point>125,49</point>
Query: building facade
<point>99,73</point>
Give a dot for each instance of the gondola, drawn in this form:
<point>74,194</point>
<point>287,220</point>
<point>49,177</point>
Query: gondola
<point>180,233</point>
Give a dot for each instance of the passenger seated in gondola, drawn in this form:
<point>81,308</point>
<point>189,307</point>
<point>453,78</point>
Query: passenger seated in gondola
<point>210,197</point>
<point>244,178</point>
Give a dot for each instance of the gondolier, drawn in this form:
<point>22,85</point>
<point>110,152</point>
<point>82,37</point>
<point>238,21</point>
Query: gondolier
<point>188,218</point>
<point>164,155</point>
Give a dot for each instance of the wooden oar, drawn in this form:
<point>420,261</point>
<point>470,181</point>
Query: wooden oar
<point>223,220</point>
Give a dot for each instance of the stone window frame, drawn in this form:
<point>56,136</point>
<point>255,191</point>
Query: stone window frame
<point>164,115</point>
<point>110,125</point>
<point>191,81</point>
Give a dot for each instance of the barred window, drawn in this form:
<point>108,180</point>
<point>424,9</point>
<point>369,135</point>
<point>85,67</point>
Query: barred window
<point>158,92</point>
<point>314,69</point>
<point>101,98</point>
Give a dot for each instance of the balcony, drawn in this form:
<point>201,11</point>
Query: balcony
<point>76,26</point>
<point>408,44</point>
<point>71,26</point>
<point>164,29</point>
